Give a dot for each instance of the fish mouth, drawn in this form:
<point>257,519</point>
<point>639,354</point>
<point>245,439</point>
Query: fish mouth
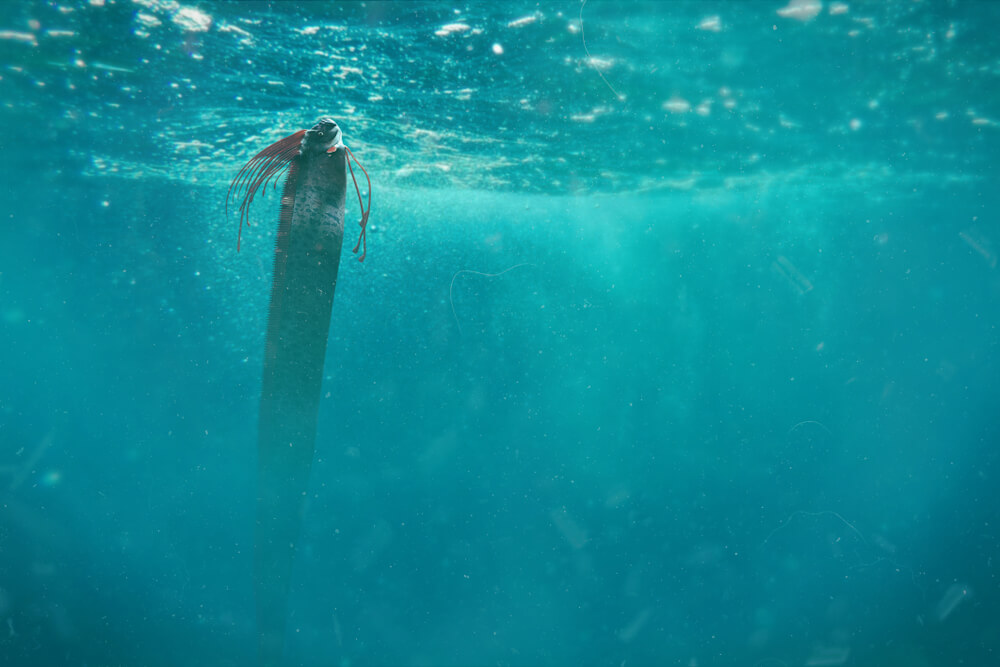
<point>323,135</point>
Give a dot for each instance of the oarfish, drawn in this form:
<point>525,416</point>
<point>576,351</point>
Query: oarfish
<point>306,260</point>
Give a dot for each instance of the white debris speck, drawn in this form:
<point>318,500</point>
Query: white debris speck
<point>15,36</point>
<point>410,169</point>
<point>228,27</point>
<point>424,135</point>
<point>677,105</point>
<point>710,23</point>
<point>524,20</point>
<point>446,30</point>
<point>600,63</point>
<point>60,33</point>
<point>941,115</point>
<point>147,20</point>
<point>801,10</point>
<point>497,49</point>
<point>192,20</point>
<point>310,30</point>
<point>347,71</point>
<point>114,68</point>
<point>838,8</point>
<point>951,599</point>
<point>855,124</point>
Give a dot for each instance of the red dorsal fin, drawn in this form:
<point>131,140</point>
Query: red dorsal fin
<point>256,173</point>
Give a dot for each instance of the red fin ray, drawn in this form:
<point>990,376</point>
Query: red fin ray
<point>258,172</point>
<point>363,237</point>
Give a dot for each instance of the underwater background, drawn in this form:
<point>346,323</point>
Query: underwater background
<point>676,342</point>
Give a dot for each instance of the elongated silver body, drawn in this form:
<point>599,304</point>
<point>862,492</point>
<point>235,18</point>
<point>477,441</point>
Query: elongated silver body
<point>306,260</point>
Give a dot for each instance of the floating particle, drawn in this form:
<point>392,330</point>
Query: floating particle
<point>951,599</point>
<point>192,20</point>
<point>677,105</point>
<point>784,267</point>
<point>801,10</point>
<point>711,24</point>
<point>523,21</point>
<point>448,29</point>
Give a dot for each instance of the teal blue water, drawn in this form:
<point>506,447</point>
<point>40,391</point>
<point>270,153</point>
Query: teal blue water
<point>676,342</point>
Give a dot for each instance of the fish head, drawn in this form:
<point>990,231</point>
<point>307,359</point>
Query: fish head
<point>325,136</point>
